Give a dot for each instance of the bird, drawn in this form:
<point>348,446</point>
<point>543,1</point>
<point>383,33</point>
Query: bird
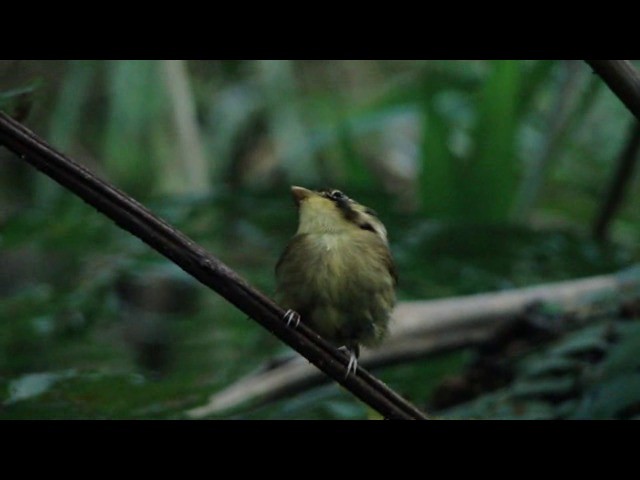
<point>337,274</point>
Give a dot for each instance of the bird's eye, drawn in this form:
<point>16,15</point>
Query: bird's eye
<point>368,226</point>
<point>338,195</point>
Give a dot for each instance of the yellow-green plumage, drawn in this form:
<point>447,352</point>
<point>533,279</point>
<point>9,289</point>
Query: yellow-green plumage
<point>337,271</point>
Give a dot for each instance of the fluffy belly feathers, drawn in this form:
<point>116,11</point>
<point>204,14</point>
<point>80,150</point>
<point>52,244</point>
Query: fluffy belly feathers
<point>345,291</point>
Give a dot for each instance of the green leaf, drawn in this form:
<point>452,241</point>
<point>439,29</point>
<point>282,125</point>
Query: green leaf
<point>613,399</point>
<point>440,175</point>
<point>543,365</point>
<point>546,387</point>
<point>68,115</point>
<point>18,102</point>
<point>357,172</point>
<point>584,341</point>
<point>136,105</point>
<point>491,180</point>
<point>533,80</point>
<point>624,356</point>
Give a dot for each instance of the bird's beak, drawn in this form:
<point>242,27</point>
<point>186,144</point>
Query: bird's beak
<point>299,194</point>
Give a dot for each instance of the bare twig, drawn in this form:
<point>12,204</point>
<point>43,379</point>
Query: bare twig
<point>624,173</point>
<point>623,79</point>
<point>136,219</point>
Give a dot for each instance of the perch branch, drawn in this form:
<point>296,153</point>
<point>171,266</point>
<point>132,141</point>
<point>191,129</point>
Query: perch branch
<point>193,259</point>
<point>623,79</point>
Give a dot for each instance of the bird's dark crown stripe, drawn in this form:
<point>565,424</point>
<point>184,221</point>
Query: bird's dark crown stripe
<point>347,211</point>
<point>344,203</point>
<point>371,212</point>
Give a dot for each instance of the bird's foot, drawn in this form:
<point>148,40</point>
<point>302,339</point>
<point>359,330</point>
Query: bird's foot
<point>352,366</point>
<point>292,317</point>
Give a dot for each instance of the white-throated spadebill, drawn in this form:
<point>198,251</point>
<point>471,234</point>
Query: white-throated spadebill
<point>337,273</point>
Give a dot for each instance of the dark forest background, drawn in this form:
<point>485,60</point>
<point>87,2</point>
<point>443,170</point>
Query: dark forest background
<point>489,175</point>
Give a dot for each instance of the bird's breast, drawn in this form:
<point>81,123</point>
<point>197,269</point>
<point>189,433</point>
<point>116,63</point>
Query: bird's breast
<point>332,243</point>
<point>344,263</point>
<point>340,282</point>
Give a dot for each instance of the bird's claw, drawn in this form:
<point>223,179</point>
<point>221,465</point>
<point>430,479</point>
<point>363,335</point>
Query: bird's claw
<point>352,366</point>
<point>292,316</point>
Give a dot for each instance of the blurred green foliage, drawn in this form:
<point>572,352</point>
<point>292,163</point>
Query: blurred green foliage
<point>484,178</point>
<point>589,373</point>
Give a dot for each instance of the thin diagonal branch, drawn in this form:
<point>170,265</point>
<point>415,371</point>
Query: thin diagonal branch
<point>617,189</point>
<point>623,79</point>
<point>137,220</point>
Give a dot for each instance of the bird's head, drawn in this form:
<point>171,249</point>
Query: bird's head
<point>331,211</point>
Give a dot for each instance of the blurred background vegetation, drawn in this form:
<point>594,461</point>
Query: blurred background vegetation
<point>488,174</point>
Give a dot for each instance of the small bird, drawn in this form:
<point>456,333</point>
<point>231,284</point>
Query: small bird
<point>337,272</point>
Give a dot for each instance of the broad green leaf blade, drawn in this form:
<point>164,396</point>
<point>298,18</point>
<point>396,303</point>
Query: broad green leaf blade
<point>491,182</point>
